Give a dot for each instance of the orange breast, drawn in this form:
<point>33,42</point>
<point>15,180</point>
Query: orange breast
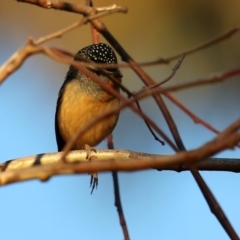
<point>78,109</point>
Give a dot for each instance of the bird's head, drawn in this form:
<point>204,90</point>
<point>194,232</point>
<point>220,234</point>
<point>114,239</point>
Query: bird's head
<point>100,53</point>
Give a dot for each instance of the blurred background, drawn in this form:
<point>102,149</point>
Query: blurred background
<point>157,205</point>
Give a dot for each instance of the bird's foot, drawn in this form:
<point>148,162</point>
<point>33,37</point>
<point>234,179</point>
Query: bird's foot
<point>89,149</point>
<point>94,176</point>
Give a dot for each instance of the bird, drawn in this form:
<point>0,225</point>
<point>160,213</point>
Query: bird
<point>80,100</point>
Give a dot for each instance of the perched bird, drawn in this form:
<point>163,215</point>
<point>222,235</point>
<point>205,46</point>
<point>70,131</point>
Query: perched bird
<point>80,100</point>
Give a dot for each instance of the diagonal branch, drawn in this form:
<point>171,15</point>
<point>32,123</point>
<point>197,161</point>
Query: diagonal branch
<point>172,126</point>
<point>148,81</point>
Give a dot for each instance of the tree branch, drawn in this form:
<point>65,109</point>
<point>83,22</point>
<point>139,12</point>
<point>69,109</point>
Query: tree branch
<point>75,8</point>
<point>210,164</point>
<point>22,169</point>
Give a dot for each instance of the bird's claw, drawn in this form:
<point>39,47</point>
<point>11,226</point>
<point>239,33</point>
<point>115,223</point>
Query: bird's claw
<point>93,182</point>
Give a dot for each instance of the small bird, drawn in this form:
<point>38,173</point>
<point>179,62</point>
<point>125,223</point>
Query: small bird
<point>81,100</point>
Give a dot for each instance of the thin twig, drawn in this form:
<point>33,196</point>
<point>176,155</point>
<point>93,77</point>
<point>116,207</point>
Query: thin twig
<point>214,205</point>
<point>108,88</point>
<point>174,70</point>
<point>139,71</point>
<point>206,45</point>
<point>130,94</point>
<point>37,50</point>
<point>117,195</point>
<point>148,81</point>
<point>172,126</point>
<point>17,59</point>
<point>60,33</point>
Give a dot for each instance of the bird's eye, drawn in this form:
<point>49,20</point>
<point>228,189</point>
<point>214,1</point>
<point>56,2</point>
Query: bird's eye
<point>115,72</point>
<point>93,69</point>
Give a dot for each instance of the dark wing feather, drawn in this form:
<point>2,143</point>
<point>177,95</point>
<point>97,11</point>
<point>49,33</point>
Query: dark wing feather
<point>60,141</point>
<point>71,74</point>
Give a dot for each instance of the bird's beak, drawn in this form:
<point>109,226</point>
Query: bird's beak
<point>117,73</point>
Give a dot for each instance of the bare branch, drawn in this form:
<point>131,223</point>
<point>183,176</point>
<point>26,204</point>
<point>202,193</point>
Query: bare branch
<point>75,8</point>
<point>228,139</point>
<point>17,59</point>
<point>118,202</point>
<point>211,79</point>
<point>174,70</point>
<point>207,44</point>
<point>210,164</point>
<point>60,33</point>
<point>172,126</point>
